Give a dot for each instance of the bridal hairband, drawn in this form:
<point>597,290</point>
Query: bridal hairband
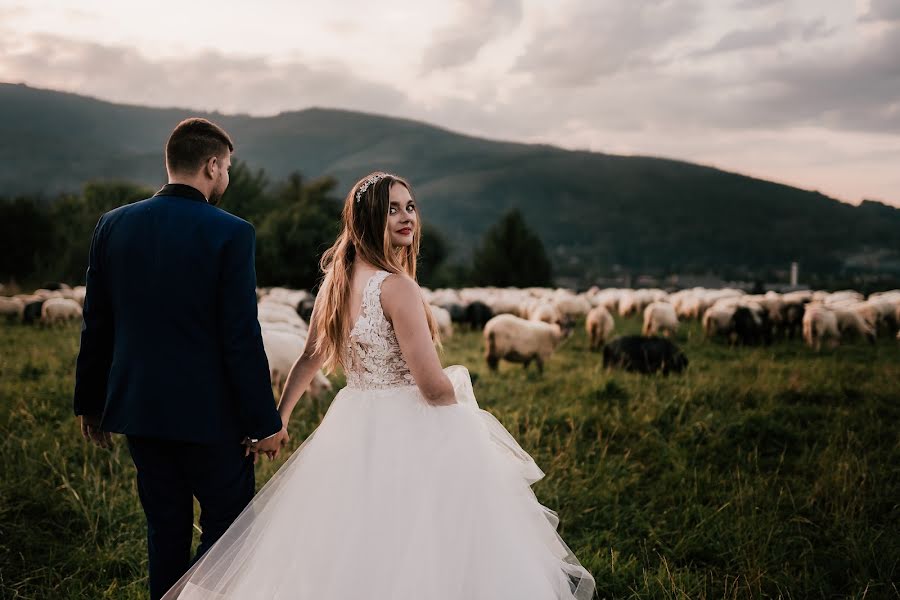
<point>370,180</point>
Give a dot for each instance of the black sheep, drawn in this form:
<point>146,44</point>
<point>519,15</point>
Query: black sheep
<point>791,320</point>
<point>644,355</point>
<point>32,313</point>
<point>478,314</point>
<point>751,328</point>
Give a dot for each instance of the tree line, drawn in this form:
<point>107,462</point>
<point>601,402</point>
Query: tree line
<point>296,219</point>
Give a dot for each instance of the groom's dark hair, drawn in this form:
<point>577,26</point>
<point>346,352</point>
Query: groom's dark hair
<point>193,142</point>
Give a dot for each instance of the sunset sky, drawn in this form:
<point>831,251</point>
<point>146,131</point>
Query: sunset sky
<point>802,92</point>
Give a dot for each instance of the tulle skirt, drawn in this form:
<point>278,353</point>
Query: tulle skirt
<point>392,498</point>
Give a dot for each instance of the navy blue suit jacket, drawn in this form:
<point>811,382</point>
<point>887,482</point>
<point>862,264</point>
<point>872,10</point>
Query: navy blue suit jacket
<point>171,345</point>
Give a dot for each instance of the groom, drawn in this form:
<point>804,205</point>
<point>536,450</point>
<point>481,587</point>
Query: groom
<point>171,352</point>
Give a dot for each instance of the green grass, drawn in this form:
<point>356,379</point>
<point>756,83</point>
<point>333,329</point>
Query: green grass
<point>760,473</point>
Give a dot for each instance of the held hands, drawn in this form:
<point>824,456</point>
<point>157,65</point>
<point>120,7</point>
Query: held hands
<point>271,446</point>
<point>90,430</point>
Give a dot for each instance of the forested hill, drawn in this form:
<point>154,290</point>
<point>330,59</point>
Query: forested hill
<point>593,211</point>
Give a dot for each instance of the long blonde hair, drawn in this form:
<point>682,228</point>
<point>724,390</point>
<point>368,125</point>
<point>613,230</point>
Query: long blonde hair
<point>363,233</point>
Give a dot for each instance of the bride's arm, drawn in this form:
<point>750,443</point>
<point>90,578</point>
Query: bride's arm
<point>401,300</point>
<point>301,374</point>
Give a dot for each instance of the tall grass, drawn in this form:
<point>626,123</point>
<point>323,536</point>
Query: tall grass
<point>760,473</point>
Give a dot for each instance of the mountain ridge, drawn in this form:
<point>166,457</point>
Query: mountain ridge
<point>596,212</point>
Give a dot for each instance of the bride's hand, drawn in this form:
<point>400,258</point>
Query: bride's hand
<point>443,402</point>
<point>272,446</point>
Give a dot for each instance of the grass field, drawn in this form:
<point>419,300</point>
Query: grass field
<point>760,473</point>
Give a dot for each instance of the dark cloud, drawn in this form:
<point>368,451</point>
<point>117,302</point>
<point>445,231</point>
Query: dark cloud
<point>478,23</point>
<point>596,39</point>
<point>883,10</point>
<point>834,90</point>
<point>611,75</point>
<point>767,37</point>
<point>209,80</point>
<point>752,4</point>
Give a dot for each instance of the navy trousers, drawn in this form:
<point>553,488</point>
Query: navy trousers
<point>169,475</point>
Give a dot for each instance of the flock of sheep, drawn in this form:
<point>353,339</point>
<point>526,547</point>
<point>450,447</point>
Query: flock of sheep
<point>527,325</point>
<point>530,323</point>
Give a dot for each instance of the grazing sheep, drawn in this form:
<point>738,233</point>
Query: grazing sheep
<point>11,308</point>
<point>55,286</point>
<point>660,317</point>
<point>32,312</point>
<point>545,312</point>
<point>842,296</point>
<point>478,314</point>
<point>444,322</point>
<point>305,309</point>
<point>282,350</point>
<point>751,327</point>
<point>457,312</point>
<point>288,297</point>
<point>569,305</point>
<point>791,323</point>
<point>644,355</point>
<point>294,328</point>
<point>506,304</point>
<point>59,310</point>
<point>897,318</point>
<point>609,298</point>
<point>45,294</point>
<point>599,325</point>
<point>273,312</point>
<point>878,314</point>
<point>689,307</point>
<point>717,321</point>
<point>851,324</point>
<point>773,305</point>
<point>820,324</point>
<point>628,303</point>
<point>78,294</point>
<point>514,339</point>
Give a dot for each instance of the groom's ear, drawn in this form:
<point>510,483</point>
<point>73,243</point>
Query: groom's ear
<point>209,169</point>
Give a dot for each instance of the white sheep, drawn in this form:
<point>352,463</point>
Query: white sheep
<point>878,313</point>
<point>545,312</point>
<point>628,303</point>
<point>660,317</point>
<point>78,294</point>
<point>570,305</point>
<point>717,320</point>
<point>11,308</point>
<point>689,307</point>
<point>599,325</point>
<point>820,324</point>
<point>282,350</point>
<point>515,339</point>
<point>59,310</point>
<point>897,318</point>
<point>444,322</point>
<point>274,312</point>
<point>287,297</point>
<point>851,324</point>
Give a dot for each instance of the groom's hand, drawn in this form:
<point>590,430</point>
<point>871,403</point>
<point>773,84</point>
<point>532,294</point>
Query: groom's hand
<point>90,430</point>
<point>271,446</point>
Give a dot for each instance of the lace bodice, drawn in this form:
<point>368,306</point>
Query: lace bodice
<point>373,359</point>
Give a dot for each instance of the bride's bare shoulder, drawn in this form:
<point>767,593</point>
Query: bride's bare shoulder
<point>400,291</point>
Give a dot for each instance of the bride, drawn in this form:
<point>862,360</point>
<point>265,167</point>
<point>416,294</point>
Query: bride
<point>406,490</point>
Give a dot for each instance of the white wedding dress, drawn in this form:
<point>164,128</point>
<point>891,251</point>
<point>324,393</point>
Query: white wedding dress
<point>392,498</point>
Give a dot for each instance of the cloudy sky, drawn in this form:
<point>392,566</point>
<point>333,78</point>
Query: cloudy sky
<point>805,92</point>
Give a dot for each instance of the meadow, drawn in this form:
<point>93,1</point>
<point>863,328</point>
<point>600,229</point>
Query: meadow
<point>759,473</point>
